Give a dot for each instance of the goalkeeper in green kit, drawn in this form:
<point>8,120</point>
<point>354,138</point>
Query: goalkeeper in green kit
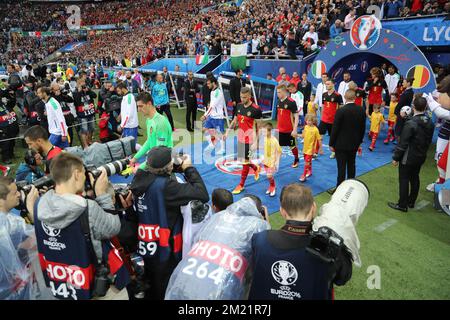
<point>159,131</point>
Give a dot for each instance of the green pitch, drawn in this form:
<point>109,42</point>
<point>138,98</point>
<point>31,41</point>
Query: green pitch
<point>410,250</point>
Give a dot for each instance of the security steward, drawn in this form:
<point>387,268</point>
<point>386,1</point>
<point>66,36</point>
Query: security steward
<point>411,153</point>
<point>9,127</point>
<point>190,97</point>
<point>283,268</point>
<point>158,197</point>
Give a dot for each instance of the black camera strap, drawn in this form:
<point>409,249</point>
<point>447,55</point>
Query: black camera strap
<point>109,151</point>
<point>84,220</point>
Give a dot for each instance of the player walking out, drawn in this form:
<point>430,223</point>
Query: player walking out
<point>287,114</point>
<point>247,114</point>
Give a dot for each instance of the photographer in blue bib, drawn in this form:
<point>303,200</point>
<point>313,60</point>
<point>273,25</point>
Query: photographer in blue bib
<point>158,198</point>
<point>284,267</point>
<point>72,234</point>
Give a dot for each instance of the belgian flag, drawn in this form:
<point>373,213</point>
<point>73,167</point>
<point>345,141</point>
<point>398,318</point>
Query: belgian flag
<point>421,76</point>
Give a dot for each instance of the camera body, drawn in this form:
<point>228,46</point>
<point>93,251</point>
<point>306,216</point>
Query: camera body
<point>178,160</point>
<point>325,244</point>
<point>24,188</point>
<point>102,280</point>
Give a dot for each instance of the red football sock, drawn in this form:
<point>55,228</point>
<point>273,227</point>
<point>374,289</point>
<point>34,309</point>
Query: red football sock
<point>295,153</point>
<point>253,166</point>
<point>272,182</point>
<point>244,174</point>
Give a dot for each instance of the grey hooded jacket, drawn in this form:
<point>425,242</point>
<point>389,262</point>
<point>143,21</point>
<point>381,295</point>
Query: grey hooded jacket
<point>59,211</point>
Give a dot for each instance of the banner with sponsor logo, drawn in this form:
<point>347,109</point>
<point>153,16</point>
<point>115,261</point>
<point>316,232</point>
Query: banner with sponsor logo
<point>423,31</point>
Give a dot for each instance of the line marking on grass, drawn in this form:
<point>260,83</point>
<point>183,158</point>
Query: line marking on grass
<point>422,204</point>
<point>385,225</point>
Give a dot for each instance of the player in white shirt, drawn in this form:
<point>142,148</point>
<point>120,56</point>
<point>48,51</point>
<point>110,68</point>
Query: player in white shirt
<point>321,89</point>
<point>56,123</point>
<point>297,96</point>
<point>392,80</point>
<point>215,117</point>
<point>343,86</point>
<point>128,117</point>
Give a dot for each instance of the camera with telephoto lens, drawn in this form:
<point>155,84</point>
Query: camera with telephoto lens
<point>111,169</point>
<point>325,244</point>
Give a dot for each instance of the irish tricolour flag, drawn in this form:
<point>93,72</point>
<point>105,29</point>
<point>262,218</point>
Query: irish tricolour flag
<point>201,59</point>
<point>317,68</point>
<point>238,56</point>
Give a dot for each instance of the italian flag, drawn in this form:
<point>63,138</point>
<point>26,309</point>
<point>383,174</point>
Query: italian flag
<point>201,59</point>
<point>239,56</point>
<point>317,68</point>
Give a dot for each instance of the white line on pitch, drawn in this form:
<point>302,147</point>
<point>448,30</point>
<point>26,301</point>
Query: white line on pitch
<point>385,225</point>
<point>422,204</point>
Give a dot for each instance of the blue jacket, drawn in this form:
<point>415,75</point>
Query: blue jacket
<point>393,9</point>
<point>24,172</point>
<point>334,31</point>
<point>160,94</point>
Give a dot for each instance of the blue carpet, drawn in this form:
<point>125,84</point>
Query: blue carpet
<point>224,173</point>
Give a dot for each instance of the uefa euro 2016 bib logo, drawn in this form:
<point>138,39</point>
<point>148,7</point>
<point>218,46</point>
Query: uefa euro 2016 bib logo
<point>365,32</point>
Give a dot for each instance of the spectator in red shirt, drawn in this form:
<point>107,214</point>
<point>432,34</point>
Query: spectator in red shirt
<point>295,79</point>
<point>280,76</point>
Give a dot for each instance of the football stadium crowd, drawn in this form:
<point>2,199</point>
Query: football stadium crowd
<point>272,29</point>
<point>160,237</point>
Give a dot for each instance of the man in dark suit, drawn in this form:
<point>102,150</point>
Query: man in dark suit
<point>347,134</point>
<point>190,90</point>
<point>406,99</point>
<point>304,87</point>
<point>235,89</point>
<point>411,153</point>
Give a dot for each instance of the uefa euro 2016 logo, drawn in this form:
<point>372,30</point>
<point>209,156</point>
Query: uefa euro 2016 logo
<point>365,32</point>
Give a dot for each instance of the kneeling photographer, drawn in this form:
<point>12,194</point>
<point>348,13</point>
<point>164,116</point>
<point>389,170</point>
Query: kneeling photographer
<point>158,198</point>
<point>292,263</point>
<point>70,230</point>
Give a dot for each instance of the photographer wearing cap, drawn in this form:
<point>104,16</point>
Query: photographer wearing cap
<point>283,268</point>
<point>69,229</point>
<point>158,198</point>
<point>15,238</point>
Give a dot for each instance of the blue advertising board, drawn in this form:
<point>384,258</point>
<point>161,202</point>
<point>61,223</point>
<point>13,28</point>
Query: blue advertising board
<point>422,32</point>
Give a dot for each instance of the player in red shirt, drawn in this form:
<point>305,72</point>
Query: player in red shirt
<point>375,87</point>
<point>331,100</point>
<point>247,115</point>
<point>359,93</point>
<point>287,115</point>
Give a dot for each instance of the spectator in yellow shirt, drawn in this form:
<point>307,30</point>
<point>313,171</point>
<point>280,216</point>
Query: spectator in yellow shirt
<point>376,121</point>
<point>272,155</point>
<point>392,118</point>
<point>311,138</point>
